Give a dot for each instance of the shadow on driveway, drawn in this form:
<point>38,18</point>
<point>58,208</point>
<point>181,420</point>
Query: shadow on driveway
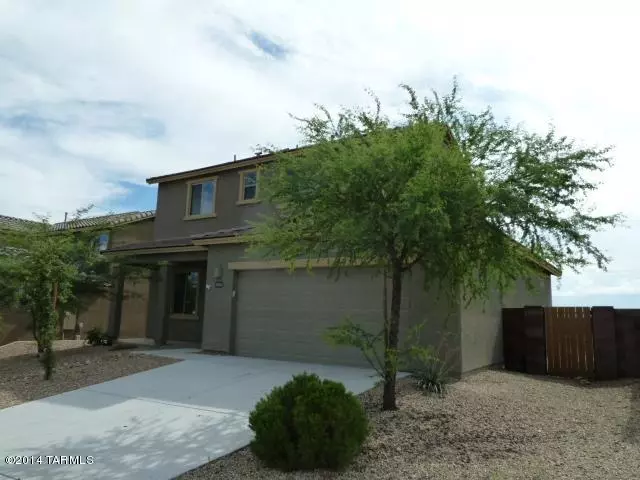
<point>143,449</point>
<point>156,424</point>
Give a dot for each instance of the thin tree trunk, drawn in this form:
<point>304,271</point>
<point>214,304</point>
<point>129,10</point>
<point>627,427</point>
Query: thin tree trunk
<point>35,332</point>
<point>391,340</point>
<point>76,326</point>
<point>55,296</point>
<point>55,306</point>
<point>48,359</point>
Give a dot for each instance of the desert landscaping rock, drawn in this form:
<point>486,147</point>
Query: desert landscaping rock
<point>492,425</point>
<point>15,349</point>
<point>77,366</point>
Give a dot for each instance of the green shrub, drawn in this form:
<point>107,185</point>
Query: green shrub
<point>308,423</point>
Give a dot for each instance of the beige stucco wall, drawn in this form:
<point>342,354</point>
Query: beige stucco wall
<point>481,321</point>
<point>520,295</point>
<point>135,306</point>
<point>14,325</point>
<point>136,294</point>
<point>96,315</point>
<point>216,330</point>
<point>481,340</point>
<point>172,200</point>
<point>440,316</point>
<point>132,233</point>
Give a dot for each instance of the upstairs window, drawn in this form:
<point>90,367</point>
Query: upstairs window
<point>248,186</point>
<point>103,241</point>
<point>201,198</point>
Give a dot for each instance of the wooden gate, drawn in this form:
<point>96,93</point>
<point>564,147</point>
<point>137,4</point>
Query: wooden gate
<point>569,338</point>
<point>598,342</point>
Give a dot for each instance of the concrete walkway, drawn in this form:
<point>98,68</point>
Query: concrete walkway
<point>151,425</point>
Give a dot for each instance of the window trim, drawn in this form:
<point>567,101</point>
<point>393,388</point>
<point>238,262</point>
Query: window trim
<point>256,199</point>
<point>187,209</point>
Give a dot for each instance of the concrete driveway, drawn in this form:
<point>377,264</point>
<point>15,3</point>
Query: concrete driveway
<point>151,425</point>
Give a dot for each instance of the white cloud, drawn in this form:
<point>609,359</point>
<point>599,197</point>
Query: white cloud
<point>623,273</point>
<point>125,90</point>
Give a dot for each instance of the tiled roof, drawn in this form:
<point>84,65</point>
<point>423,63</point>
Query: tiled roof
<point>110,220</point>
<point>165,243</point>
<point>225,232</point>
<point>180,241</point>
<point>13,223</point>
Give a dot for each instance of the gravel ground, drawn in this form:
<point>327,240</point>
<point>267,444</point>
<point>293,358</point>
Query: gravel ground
<point>21,375</point>
<point>492,425</point>
<point>15,349</point>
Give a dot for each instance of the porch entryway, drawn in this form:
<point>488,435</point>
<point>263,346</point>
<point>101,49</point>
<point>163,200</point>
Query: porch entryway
<point>175,307</point>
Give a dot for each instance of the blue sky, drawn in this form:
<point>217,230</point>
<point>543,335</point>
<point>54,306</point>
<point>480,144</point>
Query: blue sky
<point>98,96</point>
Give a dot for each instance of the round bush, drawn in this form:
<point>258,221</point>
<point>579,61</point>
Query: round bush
<point>308,423</point>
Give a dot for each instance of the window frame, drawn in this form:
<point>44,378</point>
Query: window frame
<point>108,244</point>
<point>179,315</point>
<point>190,184</point>
<point>241,200</point>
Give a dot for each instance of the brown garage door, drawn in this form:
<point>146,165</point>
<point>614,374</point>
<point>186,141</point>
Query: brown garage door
<point>282,315</point>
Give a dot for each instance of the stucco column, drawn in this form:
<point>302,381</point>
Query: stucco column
<point>165,271</point>
<point>115,307</point>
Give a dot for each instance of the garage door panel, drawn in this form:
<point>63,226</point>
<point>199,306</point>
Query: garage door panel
<point>291,321</point>
<point>300,351</point>
<point>285,316</point>
<point>327,317</point>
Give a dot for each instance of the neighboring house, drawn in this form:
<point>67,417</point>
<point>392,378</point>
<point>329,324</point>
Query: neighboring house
<point>119,229</point>
<point>210,293</point>
<point>13,223</point>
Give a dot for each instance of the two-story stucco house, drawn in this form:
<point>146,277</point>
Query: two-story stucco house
<point>207,291</point>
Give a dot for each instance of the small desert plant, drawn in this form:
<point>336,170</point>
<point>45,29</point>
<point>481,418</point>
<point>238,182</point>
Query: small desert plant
<point>308,423</point>
<point>432,376</point>
<point>431,368</point>
<point>96,337</point>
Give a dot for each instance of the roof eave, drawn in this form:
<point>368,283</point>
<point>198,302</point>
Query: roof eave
<point>106,224</point>
<point>222,167</point>
<point>200,172</point>
<point>154,250</point>
<point>547,267</point>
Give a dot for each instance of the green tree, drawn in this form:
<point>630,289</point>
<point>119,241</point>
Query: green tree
<point>471,201</point>
<point>37,276</point>
<point>49,271</point>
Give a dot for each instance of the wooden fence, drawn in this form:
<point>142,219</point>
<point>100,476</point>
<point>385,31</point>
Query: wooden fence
<point>598,342</point>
